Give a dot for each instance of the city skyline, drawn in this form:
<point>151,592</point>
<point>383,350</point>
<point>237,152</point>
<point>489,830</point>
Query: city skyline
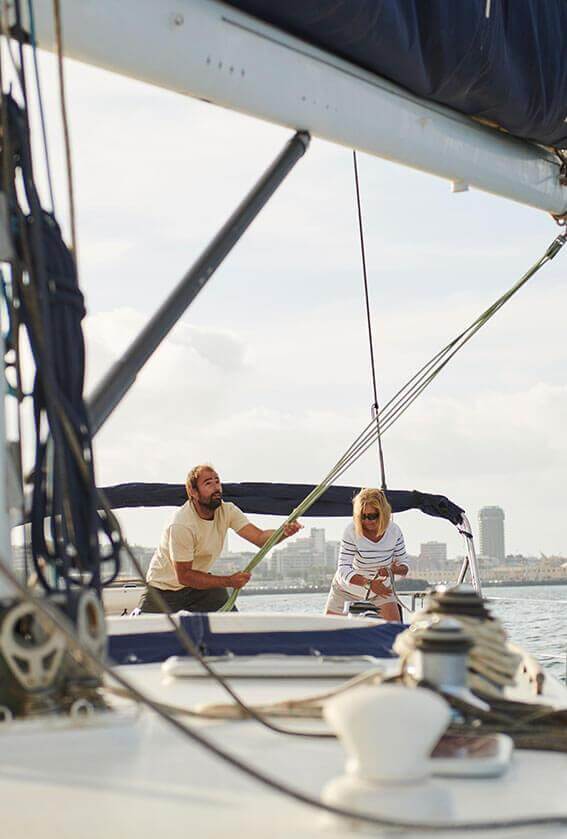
<point>311,559</point>
<point>431,550</point>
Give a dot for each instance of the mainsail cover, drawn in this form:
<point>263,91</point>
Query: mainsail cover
<point>504,61</point>
<point>281,499</point>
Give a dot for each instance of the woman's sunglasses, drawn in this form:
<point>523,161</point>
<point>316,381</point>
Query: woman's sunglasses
<point>370,516</point>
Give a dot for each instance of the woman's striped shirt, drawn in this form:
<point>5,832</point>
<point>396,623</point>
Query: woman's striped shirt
<point>359,555</point>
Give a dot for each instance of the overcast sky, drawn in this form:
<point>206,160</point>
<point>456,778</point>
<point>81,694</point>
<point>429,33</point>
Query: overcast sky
<point>267,375</point>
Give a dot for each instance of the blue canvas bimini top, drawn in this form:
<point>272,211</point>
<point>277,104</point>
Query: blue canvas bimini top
<point>281,499</point>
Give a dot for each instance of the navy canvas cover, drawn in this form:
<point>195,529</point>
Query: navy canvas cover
<point>501,60</point>
<point>146,647</point>
<point>281,499</point>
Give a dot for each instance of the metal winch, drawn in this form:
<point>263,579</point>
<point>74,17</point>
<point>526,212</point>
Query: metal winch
<point>459,600</point>
<point>39,673</point>
<point>441,647</point>
<point>455,641</point>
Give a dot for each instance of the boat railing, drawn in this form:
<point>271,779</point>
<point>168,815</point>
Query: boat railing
<point>470,562</point>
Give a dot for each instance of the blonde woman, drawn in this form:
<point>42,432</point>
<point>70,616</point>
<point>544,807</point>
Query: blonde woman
<point>372,545</point>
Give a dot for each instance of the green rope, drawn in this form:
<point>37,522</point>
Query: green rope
<point>397,405</point>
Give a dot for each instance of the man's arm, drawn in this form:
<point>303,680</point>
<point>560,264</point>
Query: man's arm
<point>202,580</point>
<point>181,549</point>
<point>259,537</point>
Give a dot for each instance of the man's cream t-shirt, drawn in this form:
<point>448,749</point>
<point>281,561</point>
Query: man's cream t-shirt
<point>189,538</point>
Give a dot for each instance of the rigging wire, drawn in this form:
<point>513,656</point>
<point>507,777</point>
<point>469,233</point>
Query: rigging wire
<point>40,105</point>
<point>400,402</point>
<point>375,407</point>
<point>20,71</point>
<point>8,41</point>
<point>65,121</point>
<point>68,426</point>
<point>20,75</point>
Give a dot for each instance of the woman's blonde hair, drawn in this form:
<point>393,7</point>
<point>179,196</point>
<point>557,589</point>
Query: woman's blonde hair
<point>375,499</point>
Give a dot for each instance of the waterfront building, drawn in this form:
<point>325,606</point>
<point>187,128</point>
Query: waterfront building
<point>433,553</point>
<point>491,532</point>
<point>302,558</point>
<point>317,535</point>
<point>331,556</point>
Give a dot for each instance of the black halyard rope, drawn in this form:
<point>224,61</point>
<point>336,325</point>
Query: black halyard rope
<point>375,407</point>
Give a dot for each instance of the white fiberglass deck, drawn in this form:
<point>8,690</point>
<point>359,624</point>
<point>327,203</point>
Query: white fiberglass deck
<point>138,777</point>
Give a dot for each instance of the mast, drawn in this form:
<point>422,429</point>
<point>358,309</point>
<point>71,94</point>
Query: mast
<point>205,49</point>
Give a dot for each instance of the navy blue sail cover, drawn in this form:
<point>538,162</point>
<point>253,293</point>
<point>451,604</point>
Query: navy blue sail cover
<point>281,499</point>
<point>146,647</point>
<point>501,60</point>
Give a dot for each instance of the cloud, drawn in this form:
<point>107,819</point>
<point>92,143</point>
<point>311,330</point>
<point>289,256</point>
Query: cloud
<point>478,445</point>
<point>268,372</point>
<point>219,348</point>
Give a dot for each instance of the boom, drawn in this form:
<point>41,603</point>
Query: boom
<point>206,49</point>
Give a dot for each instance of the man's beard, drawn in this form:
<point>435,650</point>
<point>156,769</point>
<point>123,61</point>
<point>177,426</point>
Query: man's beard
<point>211,503</point>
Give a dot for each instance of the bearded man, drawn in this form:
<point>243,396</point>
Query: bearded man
<point>190,544</point>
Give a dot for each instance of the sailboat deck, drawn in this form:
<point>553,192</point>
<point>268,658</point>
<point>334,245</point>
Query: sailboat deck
<point>140,777</point>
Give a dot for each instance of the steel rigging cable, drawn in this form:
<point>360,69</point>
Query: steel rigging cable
<point>401,401</point>
<point>375,408</point>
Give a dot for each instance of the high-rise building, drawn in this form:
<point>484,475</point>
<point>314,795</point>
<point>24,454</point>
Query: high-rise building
<point>491,531</point>
<point>318,542</point>
<point>331,556</point>
<point>301,558</point>
<point>433,552</point>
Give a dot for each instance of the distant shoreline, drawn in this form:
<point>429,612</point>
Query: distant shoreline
<point>123,596</point>
<point>409,586</point>
<point>517,583</point>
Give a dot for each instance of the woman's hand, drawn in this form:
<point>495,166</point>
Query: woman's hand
<point>400,569</point>
<point>376,587</point>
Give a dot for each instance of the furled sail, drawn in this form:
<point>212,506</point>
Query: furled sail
<point>504,61</point>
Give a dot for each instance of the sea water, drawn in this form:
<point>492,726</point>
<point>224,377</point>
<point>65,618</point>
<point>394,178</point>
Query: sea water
<point>535,617</point>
